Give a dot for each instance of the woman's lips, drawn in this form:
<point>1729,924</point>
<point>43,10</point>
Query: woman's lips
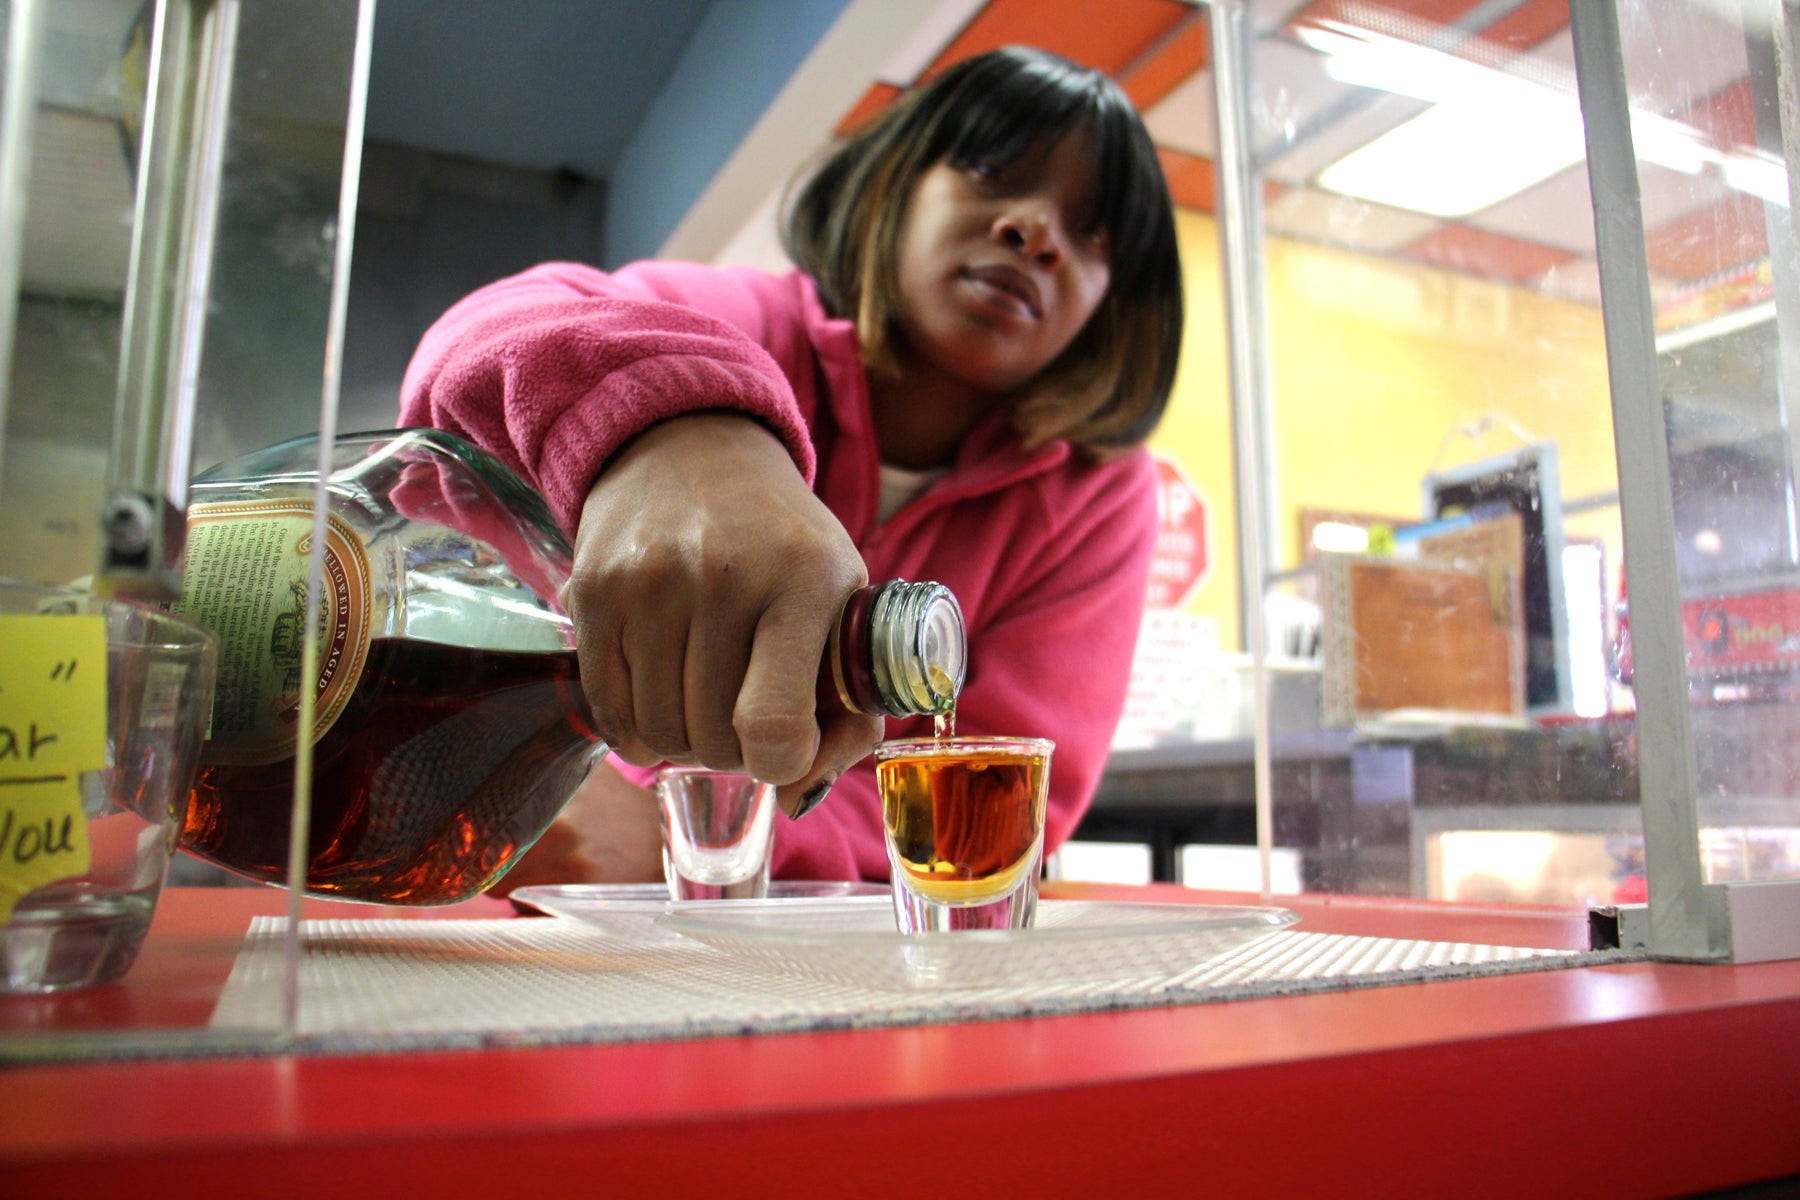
<point>1008,287</point>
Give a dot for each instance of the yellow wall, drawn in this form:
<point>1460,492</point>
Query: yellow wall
<point>1374,366</point>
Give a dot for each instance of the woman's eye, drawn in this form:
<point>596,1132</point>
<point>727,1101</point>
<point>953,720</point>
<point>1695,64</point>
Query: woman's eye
<point>988,171</point>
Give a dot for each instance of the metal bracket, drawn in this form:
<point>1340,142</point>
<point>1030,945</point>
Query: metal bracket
<point>143,521</point>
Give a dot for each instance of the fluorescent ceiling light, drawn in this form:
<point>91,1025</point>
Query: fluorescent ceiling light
<point>1488,135</point>
<point>1492,133</point>
<point>1457,158</point>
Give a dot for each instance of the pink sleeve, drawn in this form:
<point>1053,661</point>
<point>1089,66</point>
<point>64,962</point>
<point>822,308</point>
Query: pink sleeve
<point>554,369</point>
<point>1054,661</point>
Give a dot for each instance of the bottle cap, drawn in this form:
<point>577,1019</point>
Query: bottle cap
<point>919,647</point>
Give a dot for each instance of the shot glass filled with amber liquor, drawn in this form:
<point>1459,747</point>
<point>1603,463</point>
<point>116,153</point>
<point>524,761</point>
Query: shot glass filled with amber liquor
<point>964,819</point>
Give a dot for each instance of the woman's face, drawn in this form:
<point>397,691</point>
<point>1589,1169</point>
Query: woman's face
<point>1000,266</point>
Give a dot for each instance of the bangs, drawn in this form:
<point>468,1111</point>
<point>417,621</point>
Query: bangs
<point>1003,112</point>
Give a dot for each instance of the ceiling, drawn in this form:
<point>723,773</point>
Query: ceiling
<point>566,89</point>
<point>565,84</point>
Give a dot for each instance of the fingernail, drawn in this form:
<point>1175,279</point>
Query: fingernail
<point>812,797</point>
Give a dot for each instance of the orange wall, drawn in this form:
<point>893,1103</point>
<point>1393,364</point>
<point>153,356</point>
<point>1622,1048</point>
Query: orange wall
<point>1374,366</point>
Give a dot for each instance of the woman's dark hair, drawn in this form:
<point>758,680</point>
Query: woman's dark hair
<point>842,223</point>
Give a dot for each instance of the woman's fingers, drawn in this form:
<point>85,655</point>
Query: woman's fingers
<point>774,716</point>
<point>605,677</point>
<point>656,650</point>
<point>707,578</point>
<point>717,655</point>
<point>845,739</point>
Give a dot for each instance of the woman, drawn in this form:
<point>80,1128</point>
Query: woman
<point>954,385</point>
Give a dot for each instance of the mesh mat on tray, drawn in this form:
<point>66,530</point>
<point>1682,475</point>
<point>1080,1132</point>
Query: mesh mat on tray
<point>389,984</point>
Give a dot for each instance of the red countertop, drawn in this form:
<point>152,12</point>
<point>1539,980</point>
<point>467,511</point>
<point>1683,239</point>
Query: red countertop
<point>1635,1079</point>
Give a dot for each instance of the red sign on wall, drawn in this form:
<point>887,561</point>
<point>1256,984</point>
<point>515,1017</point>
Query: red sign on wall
<point>1179,565</point>
<point>1743,634</point>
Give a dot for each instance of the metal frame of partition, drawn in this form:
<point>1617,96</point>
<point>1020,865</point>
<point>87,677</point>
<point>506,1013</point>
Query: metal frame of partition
<point>1666,773</point>
<point>174,227</point>
<point>1686,918</point>
<point>1232,29</point>
<point>18,110</point>
<point>184,176</point>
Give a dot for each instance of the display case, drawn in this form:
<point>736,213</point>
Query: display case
<point>1508,293</point>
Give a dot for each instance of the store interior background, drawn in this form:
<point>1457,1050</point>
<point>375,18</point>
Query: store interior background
<point>1402,343</point>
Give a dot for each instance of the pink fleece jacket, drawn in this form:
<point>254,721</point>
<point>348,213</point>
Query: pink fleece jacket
<point>1046,550</point>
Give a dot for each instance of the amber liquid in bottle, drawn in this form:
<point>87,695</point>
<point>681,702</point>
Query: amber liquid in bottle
<point>444,759</point>
<point>964,826</point>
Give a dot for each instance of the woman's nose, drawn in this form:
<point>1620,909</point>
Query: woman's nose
<point>1031,233</point>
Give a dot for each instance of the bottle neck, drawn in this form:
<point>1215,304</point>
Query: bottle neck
<point>898,650</point>
<point>852,668</point>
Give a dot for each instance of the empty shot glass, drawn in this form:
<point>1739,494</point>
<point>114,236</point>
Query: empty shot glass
<point>964,819</point>
<point>103,708</point>
<point>717,833</point>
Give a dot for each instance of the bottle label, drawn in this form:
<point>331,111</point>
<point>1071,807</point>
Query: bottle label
<point>246,581</point>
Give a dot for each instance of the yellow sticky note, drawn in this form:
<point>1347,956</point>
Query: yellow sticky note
<point>52,728</point>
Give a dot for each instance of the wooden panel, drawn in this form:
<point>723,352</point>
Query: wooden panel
<point>1166,66</point>
<point>1191,179</point>
<point>878,97</point>
<point>1403,634</point>
<point>1149,46</point>
<point>1110,36</point>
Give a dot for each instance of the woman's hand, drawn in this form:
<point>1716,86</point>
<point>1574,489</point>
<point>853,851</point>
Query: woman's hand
<point>707,580</point>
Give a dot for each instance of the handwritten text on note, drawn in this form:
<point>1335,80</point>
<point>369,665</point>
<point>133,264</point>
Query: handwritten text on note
<point>52,728</point>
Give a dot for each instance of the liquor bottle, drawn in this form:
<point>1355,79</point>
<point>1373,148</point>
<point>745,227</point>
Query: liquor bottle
<point>448,723</point>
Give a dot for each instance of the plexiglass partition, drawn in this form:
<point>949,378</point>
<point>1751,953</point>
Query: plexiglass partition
<point>1440,685</point>
<point>1442,440</point>
<point>179,177</point>
<point>1705,101</point>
